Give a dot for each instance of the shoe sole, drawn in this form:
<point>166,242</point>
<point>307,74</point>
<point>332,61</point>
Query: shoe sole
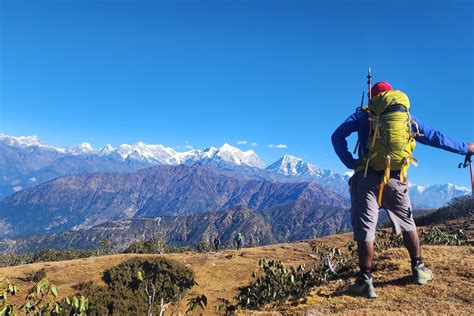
<point>422,281</point>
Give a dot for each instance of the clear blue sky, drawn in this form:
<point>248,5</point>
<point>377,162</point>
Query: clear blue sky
<point>209,72</point>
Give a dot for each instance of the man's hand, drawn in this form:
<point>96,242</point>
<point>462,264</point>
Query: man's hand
<point>470,148</point>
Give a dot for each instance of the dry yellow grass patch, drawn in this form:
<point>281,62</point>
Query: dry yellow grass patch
<point>219,275</point>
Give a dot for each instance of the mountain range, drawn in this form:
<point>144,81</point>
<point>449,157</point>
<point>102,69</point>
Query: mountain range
<point>28,161</point>
<point>85,200</point>
<point>71,196</point>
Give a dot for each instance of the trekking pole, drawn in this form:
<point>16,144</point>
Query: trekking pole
<point>369,95</point>
<point>468,162</point>
<point>369,83</point>
<point>356,148</point>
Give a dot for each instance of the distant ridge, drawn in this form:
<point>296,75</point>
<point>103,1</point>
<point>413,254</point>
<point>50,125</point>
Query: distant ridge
<point>84,200</point>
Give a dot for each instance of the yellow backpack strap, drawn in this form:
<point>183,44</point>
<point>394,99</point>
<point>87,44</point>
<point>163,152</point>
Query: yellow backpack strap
<point>385,179</point>
<point>367,164</point>
<point>405,166</point>
<point>376,124</point>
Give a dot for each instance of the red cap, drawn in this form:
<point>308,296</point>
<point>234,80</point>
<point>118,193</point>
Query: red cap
<point>380,87</point>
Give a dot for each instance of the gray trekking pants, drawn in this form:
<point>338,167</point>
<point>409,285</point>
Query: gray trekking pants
<point>365,209</point>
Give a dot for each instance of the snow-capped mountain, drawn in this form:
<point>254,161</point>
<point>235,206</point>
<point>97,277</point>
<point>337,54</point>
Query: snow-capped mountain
<point>28,161</point>
<point>25,158</point>
<point>29,141</point>
<point>293,169</point>
<point>159,154</point>
<point>226,156</point>
<point>293,166</point>
<point>436,195</point>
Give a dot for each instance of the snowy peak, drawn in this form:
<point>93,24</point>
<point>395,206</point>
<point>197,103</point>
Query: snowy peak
<point>293,166</point>
<point>234,155</point>
<point>141,151</point>
<point>226,155</point>
<point>83,148</point>
<point>28,141</point>
<point>436,195</point>
<point>106,150</point>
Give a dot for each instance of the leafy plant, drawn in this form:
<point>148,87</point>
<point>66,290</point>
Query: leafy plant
<point>435,236</point>
<point>385,240</point>
<point>43,299</point>
<point>6,289</point>
<point>275,283</point>
<point>198,301</point>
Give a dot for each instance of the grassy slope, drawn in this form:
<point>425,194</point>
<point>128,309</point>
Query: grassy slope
<point>219,276</point>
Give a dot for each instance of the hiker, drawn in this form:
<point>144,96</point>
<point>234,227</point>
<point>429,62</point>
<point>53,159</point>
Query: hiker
<point>239,241</point>
<point>380,178</point>
<point>217,243</point>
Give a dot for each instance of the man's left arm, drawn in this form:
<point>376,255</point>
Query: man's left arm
<point>434,138</point>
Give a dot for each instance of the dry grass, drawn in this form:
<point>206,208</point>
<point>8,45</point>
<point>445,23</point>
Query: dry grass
<point>219,275</point>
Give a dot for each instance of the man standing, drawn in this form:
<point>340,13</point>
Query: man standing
<point>239,241</point>
<point>217,243</point>
<point>387,133</point>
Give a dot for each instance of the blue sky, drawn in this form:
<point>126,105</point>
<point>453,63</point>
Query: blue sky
<point>209,72</point>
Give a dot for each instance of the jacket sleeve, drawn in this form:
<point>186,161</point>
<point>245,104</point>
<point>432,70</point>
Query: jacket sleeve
<point>437,139</point>
<point>339,142</point>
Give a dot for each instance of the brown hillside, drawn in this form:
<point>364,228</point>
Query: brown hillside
<point>219,275</point>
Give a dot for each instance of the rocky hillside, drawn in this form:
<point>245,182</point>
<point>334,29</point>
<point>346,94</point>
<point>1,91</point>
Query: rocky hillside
<point>83,201</point>
<point>284,223</point>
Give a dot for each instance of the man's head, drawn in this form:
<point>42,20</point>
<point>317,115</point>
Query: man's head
<point>380,87</point>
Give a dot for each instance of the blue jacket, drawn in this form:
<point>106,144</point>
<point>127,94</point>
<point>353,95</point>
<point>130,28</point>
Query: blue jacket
<point>358,122</point>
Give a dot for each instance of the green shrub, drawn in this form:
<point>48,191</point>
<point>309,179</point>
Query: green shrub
<point>42,299</point>
<point>7,260</point>
<point>275,283</point>
<point>125,293</point>
<point>435,236</point>
<point>153,247</point>
<point>203,246</point>
<point>36,276</point>
<point>385,240</point>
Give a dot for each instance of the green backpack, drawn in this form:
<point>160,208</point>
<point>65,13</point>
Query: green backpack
<point>391,140</point>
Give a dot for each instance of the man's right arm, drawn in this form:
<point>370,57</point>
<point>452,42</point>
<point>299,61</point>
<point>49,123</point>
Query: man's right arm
<point>339,142</point>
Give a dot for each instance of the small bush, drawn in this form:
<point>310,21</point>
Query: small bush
<point>8,260</point>
<point>36,276</point>
<point>153,246</point>
<point>385,240</point>
<point>275,283</point>
<point>203,246</point>
<point>125,294</point>
<point>435,236</point>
